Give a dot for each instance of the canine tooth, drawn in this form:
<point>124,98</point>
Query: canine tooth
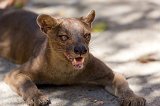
<point>82,59</point>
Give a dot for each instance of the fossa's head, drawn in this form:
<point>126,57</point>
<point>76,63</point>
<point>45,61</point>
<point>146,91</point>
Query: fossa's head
<point>69,36</point>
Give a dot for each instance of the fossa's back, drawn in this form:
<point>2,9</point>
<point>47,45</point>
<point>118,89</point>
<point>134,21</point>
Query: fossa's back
<point>20,35</point>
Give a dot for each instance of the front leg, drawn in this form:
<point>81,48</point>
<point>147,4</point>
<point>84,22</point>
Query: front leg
<point>120,88</point>
<point>22,84</point>
<point>98,73</point>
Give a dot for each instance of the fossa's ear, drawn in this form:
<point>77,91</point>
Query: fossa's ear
<point>46,22</point>
<point>89,18</point>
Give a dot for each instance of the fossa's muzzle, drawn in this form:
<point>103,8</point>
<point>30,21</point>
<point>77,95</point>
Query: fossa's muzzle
<point>80,50</point>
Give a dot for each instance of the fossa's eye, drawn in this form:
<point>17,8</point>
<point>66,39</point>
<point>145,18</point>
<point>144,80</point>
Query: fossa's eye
<point>87,36</point>
<point>63,37</point>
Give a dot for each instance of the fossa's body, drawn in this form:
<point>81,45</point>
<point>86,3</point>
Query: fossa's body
<point>55,51</point>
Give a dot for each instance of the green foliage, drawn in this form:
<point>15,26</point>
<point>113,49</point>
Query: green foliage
<point>100,27</point>
<point>18,5</point>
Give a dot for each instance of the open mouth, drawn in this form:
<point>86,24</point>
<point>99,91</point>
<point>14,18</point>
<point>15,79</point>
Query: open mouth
<point>77,62</point>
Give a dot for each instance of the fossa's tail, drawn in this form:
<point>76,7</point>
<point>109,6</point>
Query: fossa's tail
<point>6,5</point>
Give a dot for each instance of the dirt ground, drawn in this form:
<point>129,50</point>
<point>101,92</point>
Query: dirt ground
<point>133,31</point>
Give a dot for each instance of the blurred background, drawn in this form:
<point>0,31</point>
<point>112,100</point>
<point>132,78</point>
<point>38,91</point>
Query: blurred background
<point>126,36</point>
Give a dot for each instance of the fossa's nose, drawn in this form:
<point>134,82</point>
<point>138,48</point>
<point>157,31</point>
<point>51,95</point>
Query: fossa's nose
<point>80,49</point>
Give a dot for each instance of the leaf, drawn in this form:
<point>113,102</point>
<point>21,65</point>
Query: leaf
<point>100,27</point>
<point>147,58</point>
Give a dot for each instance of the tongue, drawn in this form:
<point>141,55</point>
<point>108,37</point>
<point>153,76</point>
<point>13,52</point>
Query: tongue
<point>78,63</point>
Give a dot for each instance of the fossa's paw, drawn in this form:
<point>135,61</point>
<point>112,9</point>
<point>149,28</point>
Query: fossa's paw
<point>133,101</point>
<point>40,100</point>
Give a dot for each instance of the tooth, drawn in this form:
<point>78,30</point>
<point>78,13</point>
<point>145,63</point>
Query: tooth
<point>82,59</point>
<point>74,60</point>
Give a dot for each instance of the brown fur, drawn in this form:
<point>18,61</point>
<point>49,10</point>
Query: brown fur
<point>45,56</point>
